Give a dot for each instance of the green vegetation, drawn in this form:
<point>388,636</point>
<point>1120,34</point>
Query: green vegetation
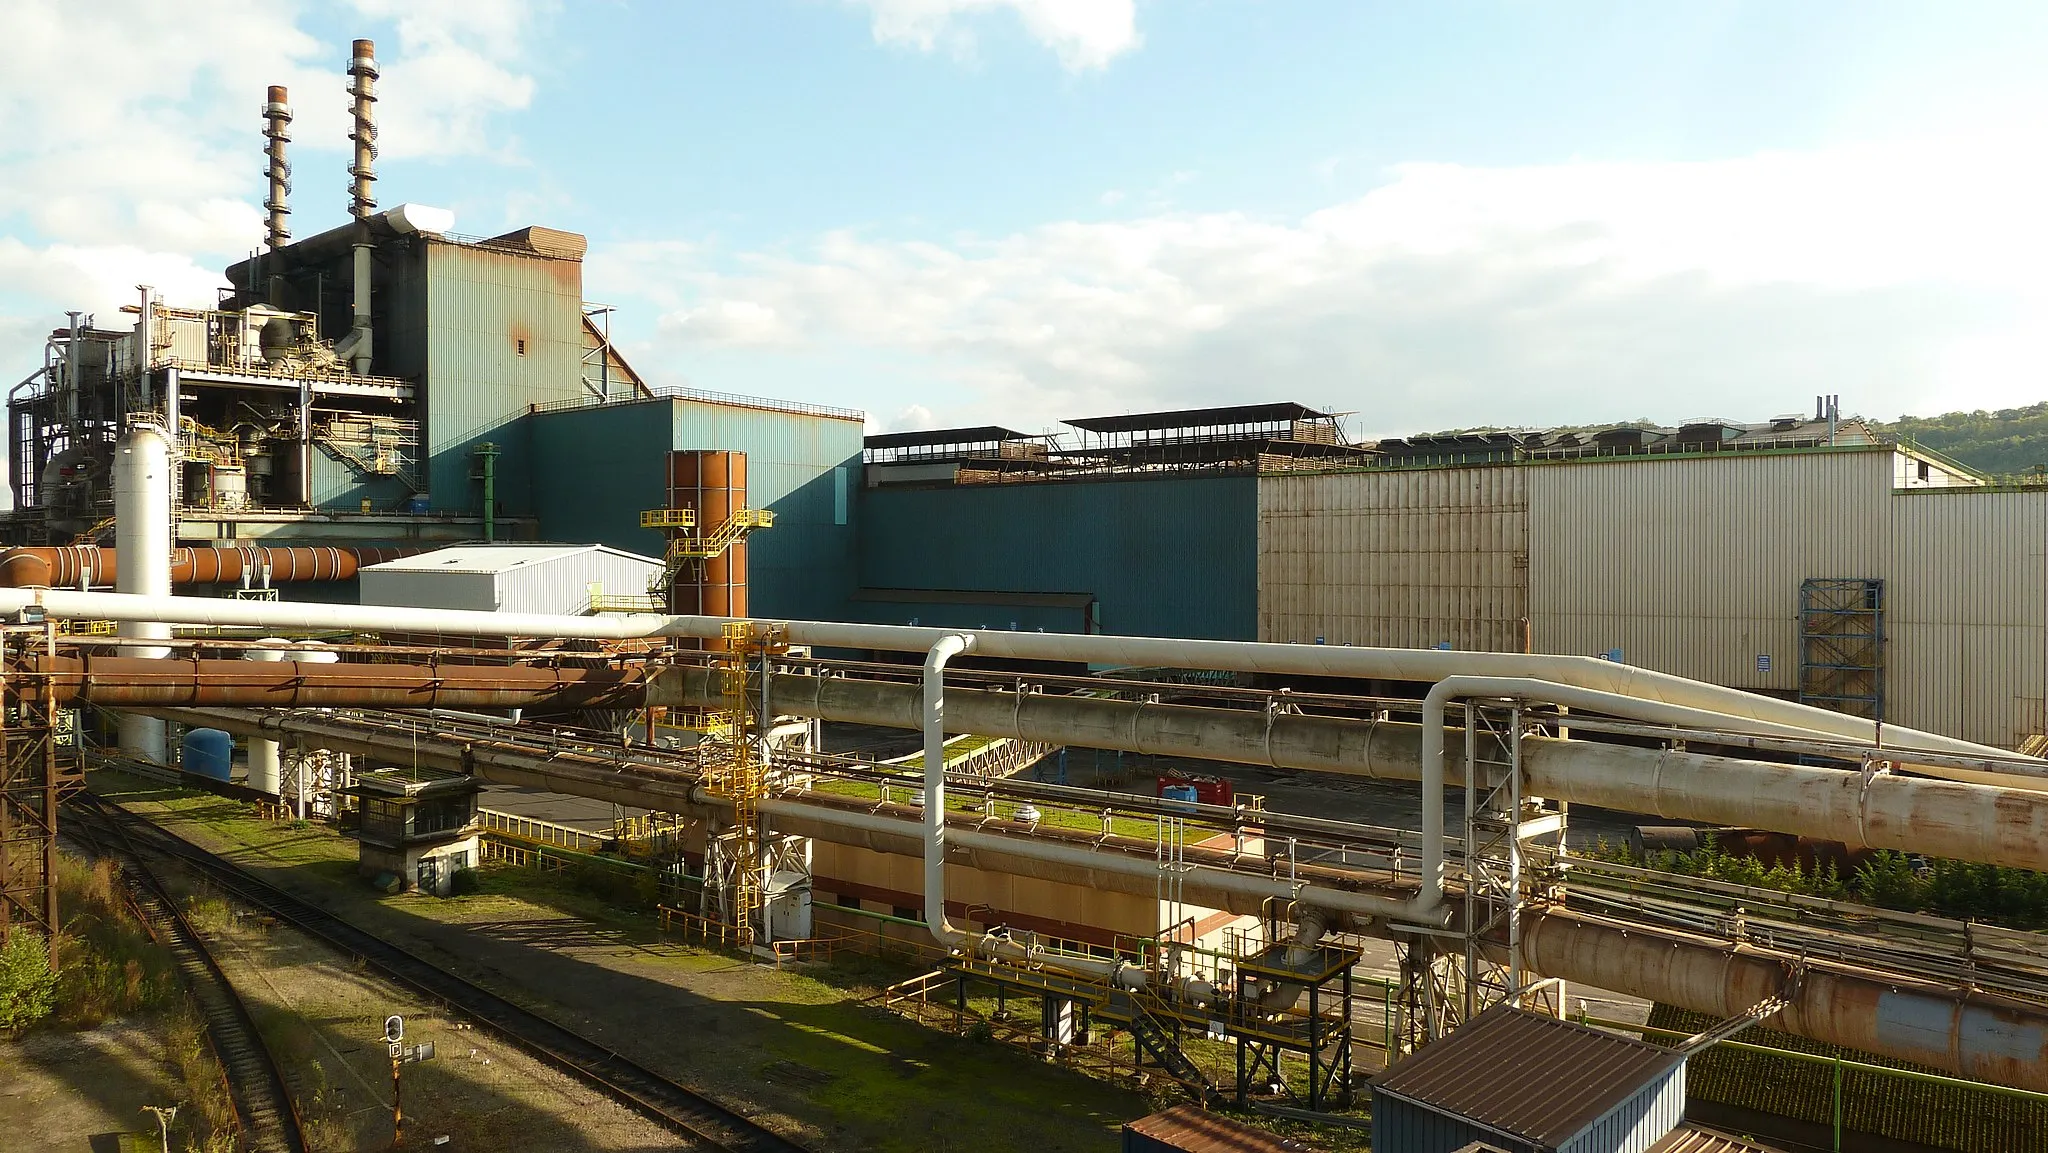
<point>1960,890</point>
<point>28,987</point>
<point>2011,442</point>
<point>1927,1115</point>
<point>107,964</point>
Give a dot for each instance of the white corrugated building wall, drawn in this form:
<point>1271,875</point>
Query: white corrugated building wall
<point>514,578</point>
<point>1689,564</point>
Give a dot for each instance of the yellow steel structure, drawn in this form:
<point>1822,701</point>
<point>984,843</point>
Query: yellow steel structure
<point>715,542</point>
<point>666,518</point>
<point>742,776</point>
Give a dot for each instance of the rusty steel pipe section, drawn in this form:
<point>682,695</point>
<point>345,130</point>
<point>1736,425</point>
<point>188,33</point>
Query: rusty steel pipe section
<point>69,566</point>
<point>1971,1034</point>
<point>133,683</point>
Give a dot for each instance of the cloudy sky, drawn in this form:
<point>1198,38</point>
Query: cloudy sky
<point>1018,211</point>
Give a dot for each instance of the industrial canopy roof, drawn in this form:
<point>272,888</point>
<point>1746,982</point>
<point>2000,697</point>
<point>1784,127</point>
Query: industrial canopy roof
<point>491,559</point>
<point>1534,1077</point>
<point>1201,417</point>
<point>981,434</point>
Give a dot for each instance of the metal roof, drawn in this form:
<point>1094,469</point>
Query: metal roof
<point>980,434</point>
<point>1693,1139</point>
<point>1201,417</point>
<point>1196,1130</point>
<point>491,559</point>
<point>1528,1075</point>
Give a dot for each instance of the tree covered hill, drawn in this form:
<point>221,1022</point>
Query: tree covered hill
<point>2008,442</point>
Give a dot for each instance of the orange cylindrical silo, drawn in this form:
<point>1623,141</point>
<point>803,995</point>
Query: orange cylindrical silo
<point>714,484</point>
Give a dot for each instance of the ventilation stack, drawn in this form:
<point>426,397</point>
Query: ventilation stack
<point>277,119</point>
<point>362,71</point>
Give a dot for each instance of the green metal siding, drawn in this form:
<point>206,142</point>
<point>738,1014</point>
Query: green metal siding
<point>481,304</point>
<point>1169,556</point>
<point>597,468</point>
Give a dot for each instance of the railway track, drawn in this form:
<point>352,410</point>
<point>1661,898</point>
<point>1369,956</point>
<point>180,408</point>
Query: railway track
<point>711,1125</point>
<point>264,1113</point>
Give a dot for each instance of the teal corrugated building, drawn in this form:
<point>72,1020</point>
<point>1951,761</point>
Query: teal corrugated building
<point>600,466</point>
<point>1169,556</point>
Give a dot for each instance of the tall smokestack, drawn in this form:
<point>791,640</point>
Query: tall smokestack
<point>362,71</point>
<point>277,119</point>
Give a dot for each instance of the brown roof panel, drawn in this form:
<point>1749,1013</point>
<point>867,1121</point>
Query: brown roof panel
<point>1693,1139</point>
<point>1523,1073</point>
<point>1196,1130</point>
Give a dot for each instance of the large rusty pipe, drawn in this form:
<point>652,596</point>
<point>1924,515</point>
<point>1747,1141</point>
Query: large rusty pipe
<point>1965,1033</point>
<point>1968,1033</point>
<point>131,682</point>
<point>70,566</point>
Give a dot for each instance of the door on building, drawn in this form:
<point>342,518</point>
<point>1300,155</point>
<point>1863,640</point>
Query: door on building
<point>430,875</point>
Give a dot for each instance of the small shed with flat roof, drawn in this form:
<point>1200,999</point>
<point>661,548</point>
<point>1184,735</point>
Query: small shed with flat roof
<point>1526,1083</point>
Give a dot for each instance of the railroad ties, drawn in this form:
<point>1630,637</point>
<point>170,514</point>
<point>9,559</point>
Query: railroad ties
<point>709,1124</point>
<point>263,1106</point>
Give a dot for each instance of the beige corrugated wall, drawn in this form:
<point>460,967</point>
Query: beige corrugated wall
<point>1406,559</point>
<point>1692,565</point>
<point>1688,565</point>
<point>1967,613</point>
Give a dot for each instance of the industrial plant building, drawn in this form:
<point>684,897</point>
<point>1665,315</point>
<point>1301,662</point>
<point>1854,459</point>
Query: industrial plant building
<point>542,572</point>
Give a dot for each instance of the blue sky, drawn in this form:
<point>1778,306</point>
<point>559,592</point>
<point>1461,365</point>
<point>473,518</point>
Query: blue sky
<point>956,211</point>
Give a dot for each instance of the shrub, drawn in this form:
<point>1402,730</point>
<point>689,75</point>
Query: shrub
<point>464,882</point>
<point>28,986</point>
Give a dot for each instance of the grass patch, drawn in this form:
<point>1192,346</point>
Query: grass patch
<point>107,964</point>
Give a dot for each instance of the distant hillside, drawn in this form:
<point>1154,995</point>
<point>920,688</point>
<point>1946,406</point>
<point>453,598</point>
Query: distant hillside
<point>2009,442</point>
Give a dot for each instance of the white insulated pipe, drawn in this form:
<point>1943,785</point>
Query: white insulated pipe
<point>143,459</point>
<point>1732,709</point>
<point>935,787</point>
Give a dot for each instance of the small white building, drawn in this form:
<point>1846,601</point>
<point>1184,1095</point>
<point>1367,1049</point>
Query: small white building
<point>515,578</point>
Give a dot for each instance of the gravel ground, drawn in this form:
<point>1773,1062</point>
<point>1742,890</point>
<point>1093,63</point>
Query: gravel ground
<point>78,1091</point>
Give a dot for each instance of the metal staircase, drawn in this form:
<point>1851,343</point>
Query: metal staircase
<point>714,543</point>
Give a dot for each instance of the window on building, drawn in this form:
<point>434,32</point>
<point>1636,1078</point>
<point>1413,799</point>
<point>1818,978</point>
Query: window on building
<point>906,913</point>
<point>848,901</point>
<point>839,495</point>
<point>522,348</point>
<point>1923,472</point>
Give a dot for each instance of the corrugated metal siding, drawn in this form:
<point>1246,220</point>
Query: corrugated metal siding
<point>600,467</point>
<point>1169,556</point>
<point>598,470</point>
<point>558,585</point>
<point>1638,1123</point>
<point>1404,559</point>
<point>1966,610</point>
<point>1402,1126</point>
<point>427,590</point>
<point>1692,566</point>
<point>480,304</point>
<point>803,567</point>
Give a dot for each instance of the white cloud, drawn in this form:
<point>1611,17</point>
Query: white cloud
<point>132,150</point>
<point>1902,277</point>
<point>1087,34</point>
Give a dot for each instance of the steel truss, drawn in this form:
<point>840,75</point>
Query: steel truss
<point>40,764</point>
<point>1451,975</point>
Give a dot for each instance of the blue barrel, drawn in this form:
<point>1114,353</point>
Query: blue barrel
<point>1184,793</point>
<point>209,753</point>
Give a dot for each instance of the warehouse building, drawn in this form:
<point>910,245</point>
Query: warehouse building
<point>1802,557</point>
